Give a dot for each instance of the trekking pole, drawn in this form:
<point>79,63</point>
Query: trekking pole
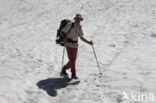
<point>63,57</point>
<point>97,60</point>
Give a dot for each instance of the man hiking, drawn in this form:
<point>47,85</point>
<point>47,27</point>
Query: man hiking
<point>71,43</point>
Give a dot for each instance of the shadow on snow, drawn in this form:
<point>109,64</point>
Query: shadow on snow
<point>50,85</point>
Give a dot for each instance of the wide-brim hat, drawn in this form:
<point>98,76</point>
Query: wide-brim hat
<point>78,16</point>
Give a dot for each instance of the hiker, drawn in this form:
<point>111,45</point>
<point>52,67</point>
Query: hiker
<point>71,44</point>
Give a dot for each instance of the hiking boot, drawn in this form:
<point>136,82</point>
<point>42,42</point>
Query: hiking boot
<point>63,72</point>
<point>73,76</point>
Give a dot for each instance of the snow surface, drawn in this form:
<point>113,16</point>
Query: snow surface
<point>124,35</point>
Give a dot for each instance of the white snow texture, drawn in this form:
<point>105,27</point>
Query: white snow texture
<point>124,35</point>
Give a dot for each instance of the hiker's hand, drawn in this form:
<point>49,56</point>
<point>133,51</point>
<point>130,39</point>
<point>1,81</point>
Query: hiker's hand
<point>91,42</point>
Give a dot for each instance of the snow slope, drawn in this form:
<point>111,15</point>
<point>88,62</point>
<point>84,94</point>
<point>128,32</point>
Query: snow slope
<point>124,33</point>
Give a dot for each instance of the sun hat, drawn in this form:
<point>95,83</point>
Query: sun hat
<point>78,16</point>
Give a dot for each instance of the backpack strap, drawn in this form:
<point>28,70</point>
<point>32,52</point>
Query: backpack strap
<point>71,28</point>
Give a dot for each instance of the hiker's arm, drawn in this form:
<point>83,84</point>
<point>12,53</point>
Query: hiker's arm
<point>82,37</point>
<point>86,41</point>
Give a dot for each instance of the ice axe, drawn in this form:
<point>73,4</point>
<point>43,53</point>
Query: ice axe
<point>97,61</point>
